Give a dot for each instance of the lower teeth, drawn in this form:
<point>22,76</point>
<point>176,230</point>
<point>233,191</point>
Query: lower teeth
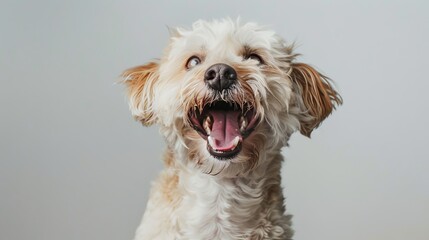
<point>243,123</point>
<point>207,125</point>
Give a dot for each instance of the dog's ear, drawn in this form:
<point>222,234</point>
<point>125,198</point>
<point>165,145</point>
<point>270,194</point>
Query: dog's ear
<point>317,94</point>
<point>140,82</point>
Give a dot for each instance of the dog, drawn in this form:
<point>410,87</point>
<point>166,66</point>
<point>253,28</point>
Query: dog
<point>227,96</point>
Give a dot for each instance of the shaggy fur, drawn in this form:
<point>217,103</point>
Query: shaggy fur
<point>203,196</point>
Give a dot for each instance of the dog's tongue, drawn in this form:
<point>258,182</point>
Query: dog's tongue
<point>225,129</point>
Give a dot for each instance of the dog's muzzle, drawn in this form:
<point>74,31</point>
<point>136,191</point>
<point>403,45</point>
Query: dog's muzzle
<point>223,123</point>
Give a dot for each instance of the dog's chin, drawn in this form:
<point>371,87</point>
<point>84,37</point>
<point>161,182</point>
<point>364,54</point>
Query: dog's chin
<point>224,126</point>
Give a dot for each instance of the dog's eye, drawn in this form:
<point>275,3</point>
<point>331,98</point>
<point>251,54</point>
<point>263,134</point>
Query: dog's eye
<point>192,62</point>
<point>255,57</point>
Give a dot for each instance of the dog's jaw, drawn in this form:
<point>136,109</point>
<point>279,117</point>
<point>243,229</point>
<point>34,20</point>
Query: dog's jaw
<point>224,125</point>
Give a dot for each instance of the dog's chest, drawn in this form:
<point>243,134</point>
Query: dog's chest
<point>199,206</point>
<point>217,209</point>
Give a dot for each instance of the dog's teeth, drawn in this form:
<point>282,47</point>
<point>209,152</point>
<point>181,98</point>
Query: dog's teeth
<point>243,123</point>
<point>207,125</point>
<point>235,142</point>
<point>211,141</point>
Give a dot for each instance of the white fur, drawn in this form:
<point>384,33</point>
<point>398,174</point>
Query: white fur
<point>218,208</point>
<point>198,196</point>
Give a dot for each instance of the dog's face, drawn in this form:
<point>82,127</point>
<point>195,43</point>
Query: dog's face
<point>227,94</point>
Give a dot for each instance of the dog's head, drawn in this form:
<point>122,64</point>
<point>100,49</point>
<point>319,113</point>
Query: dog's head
<point>227,94</point>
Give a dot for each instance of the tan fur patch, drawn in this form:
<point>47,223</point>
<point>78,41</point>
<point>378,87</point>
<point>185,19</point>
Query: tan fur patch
<point>139,81</point>
<point>169,188</point>
<point>317,93</point>
<point>169,180</point>
<point>168,158</point>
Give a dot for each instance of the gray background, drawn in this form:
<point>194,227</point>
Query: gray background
<point>74,165</point>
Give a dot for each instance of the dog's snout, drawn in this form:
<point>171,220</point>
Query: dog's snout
<point>220,76</point>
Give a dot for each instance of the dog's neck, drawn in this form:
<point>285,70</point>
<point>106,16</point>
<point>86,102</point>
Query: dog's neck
<point>230,208</point>
<point>186,203</point>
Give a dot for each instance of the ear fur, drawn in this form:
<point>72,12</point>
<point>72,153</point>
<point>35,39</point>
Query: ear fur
<point>140,83</point>
<point>317,93</point>
<point>174,32</point>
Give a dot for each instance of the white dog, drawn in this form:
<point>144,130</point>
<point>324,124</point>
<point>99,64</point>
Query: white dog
<point>227,97</point>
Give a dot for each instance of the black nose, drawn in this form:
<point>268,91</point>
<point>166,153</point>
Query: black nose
<point>220,76</point>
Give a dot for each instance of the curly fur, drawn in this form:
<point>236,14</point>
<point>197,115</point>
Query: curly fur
<point>198,196</point>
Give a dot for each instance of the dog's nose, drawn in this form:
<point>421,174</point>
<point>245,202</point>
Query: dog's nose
<point>220,76</point>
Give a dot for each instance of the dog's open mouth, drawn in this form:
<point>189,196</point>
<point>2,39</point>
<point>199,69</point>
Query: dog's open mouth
<point>224,125</point>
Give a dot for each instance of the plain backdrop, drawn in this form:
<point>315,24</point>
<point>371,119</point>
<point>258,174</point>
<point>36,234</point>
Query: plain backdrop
<point>75,165</point>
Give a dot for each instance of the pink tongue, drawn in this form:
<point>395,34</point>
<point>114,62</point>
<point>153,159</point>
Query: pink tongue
<point>225,128</point>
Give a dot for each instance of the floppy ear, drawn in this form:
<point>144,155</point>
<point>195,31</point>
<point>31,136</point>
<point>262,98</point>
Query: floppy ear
<point>140,82</point>
<point>317,94</point>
